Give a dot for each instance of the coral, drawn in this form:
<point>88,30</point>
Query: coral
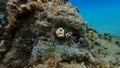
<point>52,63</point>
<point>54,2</point>
<point>60,32</point>
<point>39,35</point>
<point>67,35</point>
<point>92,35</point>
<point>19,16</point>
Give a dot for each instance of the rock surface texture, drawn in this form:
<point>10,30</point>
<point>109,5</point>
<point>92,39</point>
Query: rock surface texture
<point>52,34</point>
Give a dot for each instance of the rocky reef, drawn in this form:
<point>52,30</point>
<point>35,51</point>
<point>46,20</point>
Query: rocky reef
<point>52,34</point>
<point>3,13</point>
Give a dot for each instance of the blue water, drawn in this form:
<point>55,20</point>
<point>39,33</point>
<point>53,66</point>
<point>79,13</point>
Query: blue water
<point>103,15</point>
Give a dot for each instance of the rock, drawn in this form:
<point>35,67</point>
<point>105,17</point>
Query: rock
<point>51,34</point>
<point>3,13</point>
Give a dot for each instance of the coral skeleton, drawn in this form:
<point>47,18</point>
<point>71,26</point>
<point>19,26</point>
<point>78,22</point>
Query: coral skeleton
<point>60,32</point>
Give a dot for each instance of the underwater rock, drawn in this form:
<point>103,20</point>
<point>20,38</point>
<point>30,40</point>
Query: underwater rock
<point>19,23</point>
<point>118,43</point>
<point>52,34</point>
<point>3,13</point>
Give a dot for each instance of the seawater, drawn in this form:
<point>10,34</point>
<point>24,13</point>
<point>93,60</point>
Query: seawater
<point>103,15</point>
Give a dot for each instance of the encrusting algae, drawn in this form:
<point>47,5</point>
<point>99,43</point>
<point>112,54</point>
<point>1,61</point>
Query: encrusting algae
<point>52,34</point>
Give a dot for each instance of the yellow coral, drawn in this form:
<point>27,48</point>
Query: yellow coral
<point>91,34</point>
<point>35,5</point>
<point>54,2</point>
<point>39,3</point>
